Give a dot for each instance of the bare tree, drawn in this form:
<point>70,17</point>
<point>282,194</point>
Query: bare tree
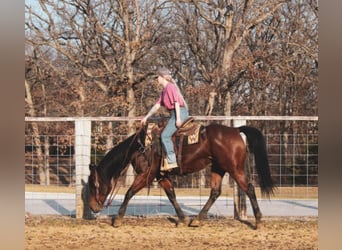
<point>96,48</point>
<point>223,27</point>
<point>282,71</point>
<point>42,165</point>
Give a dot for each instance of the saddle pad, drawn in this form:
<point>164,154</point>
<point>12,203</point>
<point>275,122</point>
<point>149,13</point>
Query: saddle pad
<point>194,137</point>
<point>148,138</point>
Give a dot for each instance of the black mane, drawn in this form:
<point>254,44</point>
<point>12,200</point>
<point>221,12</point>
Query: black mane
<point>120,155</point>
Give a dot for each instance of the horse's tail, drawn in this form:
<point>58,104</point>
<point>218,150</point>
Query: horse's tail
<point>257,146</point>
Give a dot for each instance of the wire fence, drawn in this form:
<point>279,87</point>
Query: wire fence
<point>293,157</point>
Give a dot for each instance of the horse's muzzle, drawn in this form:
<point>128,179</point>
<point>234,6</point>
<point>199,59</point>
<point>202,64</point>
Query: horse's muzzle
<point>95,206</point>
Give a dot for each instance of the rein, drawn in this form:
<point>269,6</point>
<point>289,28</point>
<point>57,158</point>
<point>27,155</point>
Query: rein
<point>114,185</point>
<point>114,182</point>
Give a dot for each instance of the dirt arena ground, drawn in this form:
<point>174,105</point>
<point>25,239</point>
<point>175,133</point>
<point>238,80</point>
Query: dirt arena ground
<point>59,232</point>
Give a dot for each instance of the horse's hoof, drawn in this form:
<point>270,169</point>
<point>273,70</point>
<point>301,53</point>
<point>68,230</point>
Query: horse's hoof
<point>117,223</point>
<point>183,223</point>
<point>194,223</point>
<point>258,225</point>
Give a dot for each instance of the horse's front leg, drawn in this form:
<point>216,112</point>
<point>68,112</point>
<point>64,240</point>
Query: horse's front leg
<point>216,181</point>
<point>117,221</point>
<point>166,184</point>
<point>138,184</point>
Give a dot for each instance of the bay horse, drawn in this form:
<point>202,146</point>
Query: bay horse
<point>220,147</point>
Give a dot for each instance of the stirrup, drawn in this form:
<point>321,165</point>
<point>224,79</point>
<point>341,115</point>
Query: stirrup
<point>168,166</point>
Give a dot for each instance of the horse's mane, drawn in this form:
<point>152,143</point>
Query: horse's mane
<point>117,151</point>
<point>119,156</point>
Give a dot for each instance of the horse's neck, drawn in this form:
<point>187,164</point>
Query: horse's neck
<point>119,157</point>
<point>114,168</point>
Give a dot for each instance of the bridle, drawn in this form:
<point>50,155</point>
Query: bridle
<point>97,188</point>
<point>142,149</point>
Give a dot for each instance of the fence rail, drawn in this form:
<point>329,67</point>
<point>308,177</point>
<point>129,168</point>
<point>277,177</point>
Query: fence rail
<point>293,156</point>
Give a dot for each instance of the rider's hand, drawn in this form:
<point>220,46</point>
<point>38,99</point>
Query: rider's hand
<point>178,123</point>
<point>144,120</point>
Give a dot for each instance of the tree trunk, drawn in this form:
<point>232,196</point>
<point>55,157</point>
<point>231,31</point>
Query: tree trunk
<point>46,144</point>
<point>109,140</point>
<point>211,103</point>
<point>227,107</point>
<point>36,137</point>
<point>46,160</point>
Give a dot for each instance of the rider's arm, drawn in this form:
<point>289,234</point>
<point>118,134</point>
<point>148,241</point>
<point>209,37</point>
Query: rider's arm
<point>178,117</point>
<point>151,112</point>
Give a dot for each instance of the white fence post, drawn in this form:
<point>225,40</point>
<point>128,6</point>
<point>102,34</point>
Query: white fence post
<point>240,208</point>
<point>82,161</point>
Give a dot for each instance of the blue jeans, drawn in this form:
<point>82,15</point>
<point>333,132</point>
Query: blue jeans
<point>169,130</point>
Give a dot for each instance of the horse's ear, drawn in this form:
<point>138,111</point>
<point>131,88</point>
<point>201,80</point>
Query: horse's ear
<point>92,167</point>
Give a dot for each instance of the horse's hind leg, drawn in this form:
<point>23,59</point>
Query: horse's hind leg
<point>249,190</point>
<point>216,187</point>
<point>256,210</point>
<point>166,184</point>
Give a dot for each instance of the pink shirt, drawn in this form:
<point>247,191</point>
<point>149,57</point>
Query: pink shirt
<point>169,96</point>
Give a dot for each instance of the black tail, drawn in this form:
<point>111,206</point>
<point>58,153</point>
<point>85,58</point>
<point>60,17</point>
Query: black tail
<point>257,146</point>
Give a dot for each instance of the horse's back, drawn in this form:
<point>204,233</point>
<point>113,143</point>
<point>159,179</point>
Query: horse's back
<point>225,141</point>
<point>218,130</point>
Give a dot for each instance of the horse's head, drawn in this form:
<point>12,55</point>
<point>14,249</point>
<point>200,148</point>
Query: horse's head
<point>98,189</point>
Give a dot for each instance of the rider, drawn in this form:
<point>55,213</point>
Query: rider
<point>172,99</point>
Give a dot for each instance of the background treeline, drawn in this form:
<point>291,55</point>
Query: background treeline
<point>229,57</point>
<point>97,57</point>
